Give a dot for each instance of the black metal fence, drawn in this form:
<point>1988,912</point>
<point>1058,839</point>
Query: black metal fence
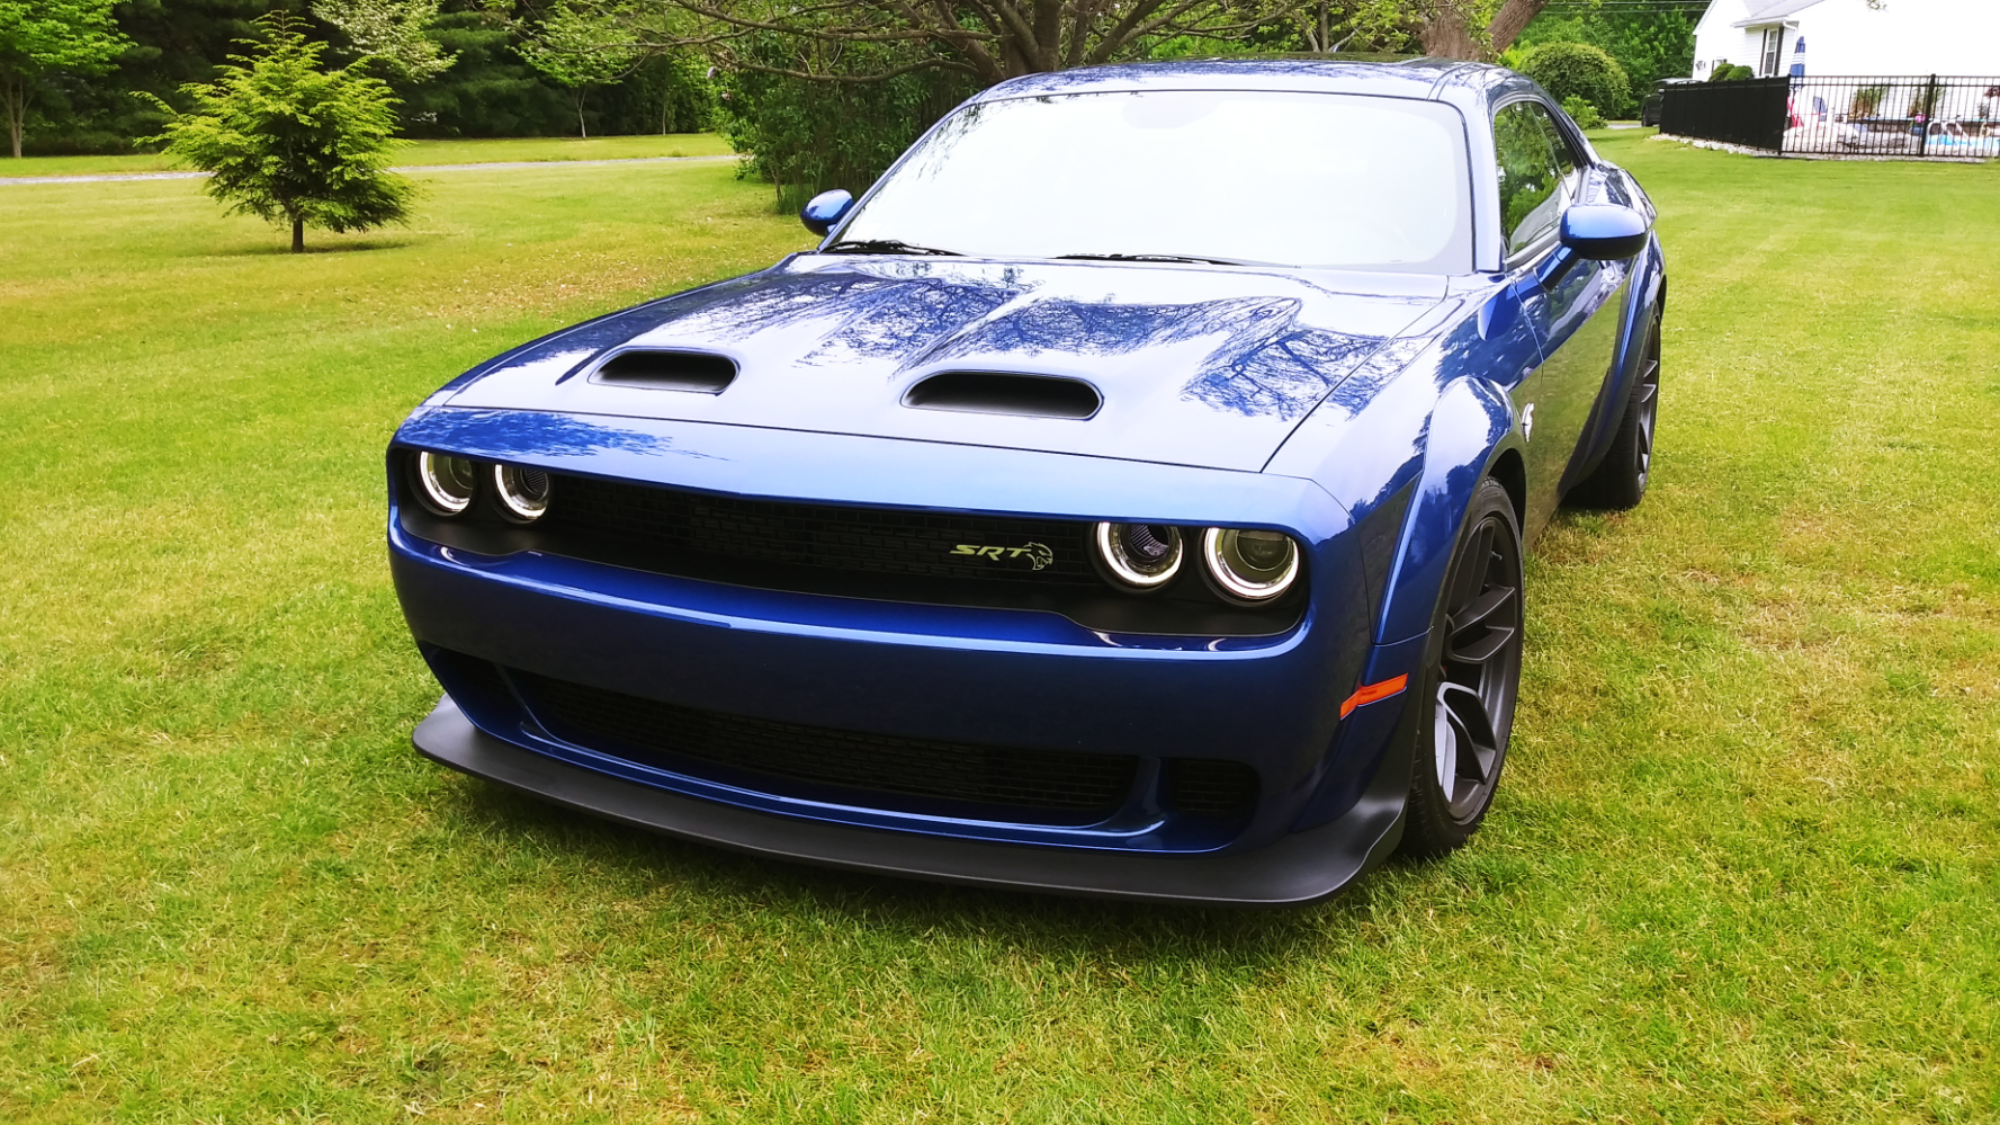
<point>1750,112</point>
<point>1922,116</point>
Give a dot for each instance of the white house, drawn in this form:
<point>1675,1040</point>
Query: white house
<point>1850,37</point>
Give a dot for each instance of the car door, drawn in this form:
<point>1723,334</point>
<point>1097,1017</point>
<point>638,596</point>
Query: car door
<point>1571,303</point>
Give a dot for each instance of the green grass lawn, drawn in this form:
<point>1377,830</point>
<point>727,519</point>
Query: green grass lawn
<point>419,153</point>
<point>1742,868</point>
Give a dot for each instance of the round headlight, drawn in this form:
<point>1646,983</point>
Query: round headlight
<point>1255,566</point>
<point>445,482</point>
<point>1141,555</point>
<point>524,493</point>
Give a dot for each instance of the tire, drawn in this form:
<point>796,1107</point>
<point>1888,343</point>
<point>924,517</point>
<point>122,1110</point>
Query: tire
<point>1471,677</point>
<point>1619,481</point>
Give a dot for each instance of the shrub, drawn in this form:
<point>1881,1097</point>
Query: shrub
<point>805,136</point>
<point>1579,70</point>
<point>1583,113</point>
<point>1728,73</point>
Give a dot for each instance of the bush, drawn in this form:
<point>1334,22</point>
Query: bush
<point>1579,70</point>
<point>1728,73</point>
<point>1583,113</point>
<point>805,137</point>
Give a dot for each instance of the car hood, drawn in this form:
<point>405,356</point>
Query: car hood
<point>1194,365</point>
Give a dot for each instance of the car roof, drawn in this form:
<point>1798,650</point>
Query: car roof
<point>1467,85</point>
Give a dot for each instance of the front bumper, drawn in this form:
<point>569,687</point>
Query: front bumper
<point>1298,869</point>
<point>1000,679</point>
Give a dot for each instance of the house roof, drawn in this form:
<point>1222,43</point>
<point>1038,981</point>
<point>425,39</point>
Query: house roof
<point>1771,11</point>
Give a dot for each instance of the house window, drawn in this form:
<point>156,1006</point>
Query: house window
<point>1774,45</point>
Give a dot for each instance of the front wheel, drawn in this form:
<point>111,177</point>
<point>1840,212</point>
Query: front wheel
<point>1471,677</point>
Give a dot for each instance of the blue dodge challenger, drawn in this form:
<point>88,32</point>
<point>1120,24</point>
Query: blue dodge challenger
<point>1127,497</point>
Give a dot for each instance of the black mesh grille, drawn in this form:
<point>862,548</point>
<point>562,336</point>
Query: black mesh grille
<point>1211,787</point>
<point>667,523</point>
<point>1070,787</point>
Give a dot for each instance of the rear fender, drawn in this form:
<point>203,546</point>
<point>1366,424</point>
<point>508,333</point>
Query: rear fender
<point>1646,296</point>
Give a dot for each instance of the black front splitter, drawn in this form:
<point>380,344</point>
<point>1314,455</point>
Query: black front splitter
<point>1300,868</point>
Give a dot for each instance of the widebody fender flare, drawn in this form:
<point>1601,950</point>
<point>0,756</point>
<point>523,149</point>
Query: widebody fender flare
<point>1471,434</point>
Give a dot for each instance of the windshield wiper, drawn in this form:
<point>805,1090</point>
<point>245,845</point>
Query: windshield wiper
<point>885,246</point>
<point>1157,258</point>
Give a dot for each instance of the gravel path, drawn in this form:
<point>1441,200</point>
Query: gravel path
<point>414,168</point>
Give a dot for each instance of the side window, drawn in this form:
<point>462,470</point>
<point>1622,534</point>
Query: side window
<point>1531,196</point>
<point>1566,161</point>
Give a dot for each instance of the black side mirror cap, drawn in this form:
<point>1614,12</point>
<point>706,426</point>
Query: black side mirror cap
<point>824,210</point>
<point>1605,233</point>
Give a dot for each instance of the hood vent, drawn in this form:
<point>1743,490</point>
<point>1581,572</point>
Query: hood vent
<point>994,392</point>
<point>667,371</point>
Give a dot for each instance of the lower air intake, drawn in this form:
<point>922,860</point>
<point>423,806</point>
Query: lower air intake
<point>1028,785</point>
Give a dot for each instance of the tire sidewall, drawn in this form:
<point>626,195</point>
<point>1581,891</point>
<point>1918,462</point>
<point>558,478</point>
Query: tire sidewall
<point>1430,828</point>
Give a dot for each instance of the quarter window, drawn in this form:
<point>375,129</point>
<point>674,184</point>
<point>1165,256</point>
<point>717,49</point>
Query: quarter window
<point>1531,180</point>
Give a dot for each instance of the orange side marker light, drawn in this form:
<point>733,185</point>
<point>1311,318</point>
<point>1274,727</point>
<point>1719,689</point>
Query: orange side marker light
<point>1370,693</point>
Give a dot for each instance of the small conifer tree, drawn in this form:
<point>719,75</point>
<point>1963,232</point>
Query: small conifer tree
<point>290,143</point>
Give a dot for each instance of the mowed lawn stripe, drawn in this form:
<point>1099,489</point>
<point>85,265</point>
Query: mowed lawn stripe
<point>1742,866</point>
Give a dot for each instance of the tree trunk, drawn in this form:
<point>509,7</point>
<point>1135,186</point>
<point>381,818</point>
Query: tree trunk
<point>1509,21</point>
<point>14,102</point>
<point>1446,36</point>
<point>298,236</point>
<point>581,130</point>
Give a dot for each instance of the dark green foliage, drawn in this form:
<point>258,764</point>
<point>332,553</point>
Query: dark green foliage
<point>488,92</point>
<point>1649,44</point>
<point>669,93</point>
<point>1579,70</point>
<point>42,41</point>
<point>1583,113</point>
<point>808,136</point>
<point>292,144</point>
<point>175,42</point>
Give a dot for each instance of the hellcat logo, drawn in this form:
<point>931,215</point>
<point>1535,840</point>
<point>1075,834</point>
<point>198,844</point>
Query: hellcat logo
<point>1037,554</point>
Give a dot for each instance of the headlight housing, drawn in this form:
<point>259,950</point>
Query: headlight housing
<point>1143,556</point>
<point>523,492</point>
<point>445,483</point>
<point>1250,565</point>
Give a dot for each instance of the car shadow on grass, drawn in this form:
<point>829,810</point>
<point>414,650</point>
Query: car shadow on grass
<point>896,908</point>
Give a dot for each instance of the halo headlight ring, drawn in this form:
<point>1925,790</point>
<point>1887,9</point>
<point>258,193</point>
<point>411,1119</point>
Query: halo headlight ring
<point>522,492</point>
<point>445,484</point>
<point>1142,557</point>
<point>1248,565</point>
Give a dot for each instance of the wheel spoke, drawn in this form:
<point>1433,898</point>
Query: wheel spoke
<point>1483,649</point>
<point>1475,748</point>
<point>1472,566</point>
<point>1477,613</point>
<point>1446,756</point>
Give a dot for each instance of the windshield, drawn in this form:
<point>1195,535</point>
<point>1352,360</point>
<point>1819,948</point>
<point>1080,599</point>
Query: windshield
<point>1238,176</point>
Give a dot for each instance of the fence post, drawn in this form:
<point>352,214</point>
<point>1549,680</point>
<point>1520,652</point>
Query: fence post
<point>1930,111</point>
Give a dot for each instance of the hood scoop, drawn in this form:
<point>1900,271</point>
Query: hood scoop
<point>995,392</point>
<point>659,370</point>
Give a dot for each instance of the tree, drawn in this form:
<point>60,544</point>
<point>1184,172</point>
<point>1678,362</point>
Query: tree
<point>993,40</point>
<point>579,45</point>
<point>391,31</point>
<point>290,143</point>
<point>1448,26</point>
<point>39,37</point>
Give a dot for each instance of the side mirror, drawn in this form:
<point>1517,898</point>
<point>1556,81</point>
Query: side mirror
<point>822,211</point>
<point>1603,232</point>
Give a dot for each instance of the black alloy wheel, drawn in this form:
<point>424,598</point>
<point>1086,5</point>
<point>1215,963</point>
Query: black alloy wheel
<point>1619,481</point>
<point>1470,681</point>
